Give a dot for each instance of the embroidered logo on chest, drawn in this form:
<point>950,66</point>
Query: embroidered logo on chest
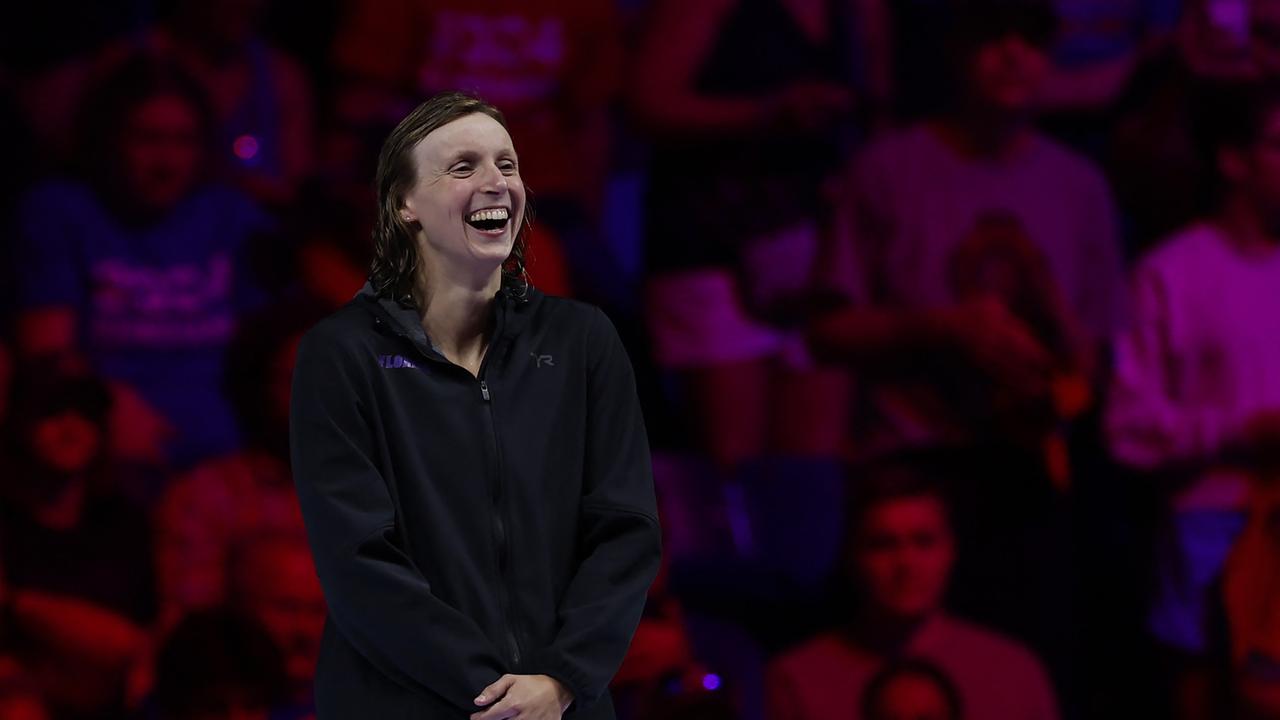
<point>395,361</point>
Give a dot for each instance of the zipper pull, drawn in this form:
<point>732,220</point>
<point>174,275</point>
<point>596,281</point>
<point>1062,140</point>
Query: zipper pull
<point>484,390</point>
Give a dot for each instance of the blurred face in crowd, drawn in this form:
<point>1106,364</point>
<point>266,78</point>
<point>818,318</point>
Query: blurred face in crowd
<point>161,151</point>
<point>1256,169</point>
<point>277,585</point>
<point>1006,74</point>
<point>911,696</point>
<point>66,442</point>
<point>904,553</point>
<point>1232,39</point>
<point>468,197</point>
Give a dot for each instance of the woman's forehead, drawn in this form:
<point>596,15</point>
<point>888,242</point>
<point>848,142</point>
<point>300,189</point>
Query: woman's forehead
<point>474,134</point>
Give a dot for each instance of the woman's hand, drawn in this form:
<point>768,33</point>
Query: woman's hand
<point>527,697</point>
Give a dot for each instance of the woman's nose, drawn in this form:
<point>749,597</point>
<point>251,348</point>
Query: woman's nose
<point>494,179</point>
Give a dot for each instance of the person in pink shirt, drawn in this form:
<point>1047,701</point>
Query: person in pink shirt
<point>900,552</point>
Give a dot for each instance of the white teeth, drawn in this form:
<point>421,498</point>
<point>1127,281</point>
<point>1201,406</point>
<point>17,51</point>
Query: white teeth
<point>495,214</point>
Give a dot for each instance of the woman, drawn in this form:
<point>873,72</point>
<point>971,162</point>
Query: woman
<point>141,266</point>
<point>469,454</point>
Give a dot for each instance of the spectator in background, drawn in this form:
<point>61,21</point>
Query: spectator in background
<point>77,584</point>
<point>1099,47</point>
<point>900,552</point>
<point>911,690</point>
<point>227,499</point>
<point>218,665</point>
<point>139,265</point>
<point>972,248</point>
<point>748,102</point>
<point>1196,394</point>
<point>1153,158</point>
<point>552,65</point>
<point>982,268</point>
<point>259,99</point>
<point>274,582</point>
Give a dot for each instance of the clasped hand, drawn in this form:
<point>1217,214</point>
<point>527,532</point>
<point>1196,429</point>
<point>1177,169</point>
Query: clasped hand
<point>527,697</point>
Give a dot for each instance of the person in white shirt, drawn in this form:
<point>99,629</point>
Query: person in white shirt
<point>1196,392</point>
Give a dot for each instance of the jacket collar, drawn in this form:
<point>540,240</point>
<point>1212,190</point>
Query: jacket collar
<point>512,315</point>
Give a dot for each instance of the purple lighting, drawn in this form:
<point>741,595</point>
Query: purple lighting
<point>711,681</point>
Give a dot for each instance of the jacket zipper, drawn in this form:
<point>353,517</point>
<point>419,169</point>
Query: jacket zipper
<point>499,528</point>
<point>500,532</point>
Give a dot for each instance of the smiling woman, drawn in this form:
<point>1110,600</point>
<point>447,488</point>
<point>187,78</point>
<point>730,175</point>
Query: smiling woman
<point>480,510</point>
<point>466,173</point>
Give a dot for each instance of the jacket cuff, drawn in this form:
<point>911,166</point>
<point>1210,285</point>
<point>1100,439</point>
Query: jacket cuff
<point>552,664</point>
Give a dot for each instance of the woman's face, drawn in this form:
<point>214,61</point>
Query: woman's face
<point>161,151</point>
<point>468,198</point>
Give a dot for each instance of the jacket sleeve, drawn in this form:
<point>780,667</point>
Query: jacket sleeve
<point>619,540</point>
<point>377,598</point>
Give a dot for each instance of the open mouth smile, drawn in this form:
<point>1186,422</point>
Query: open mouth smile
<point>491,221</point>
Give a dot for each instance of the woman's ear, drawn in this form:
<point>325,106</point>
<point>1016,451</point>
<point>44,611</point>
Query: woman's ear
<point>407,214</point>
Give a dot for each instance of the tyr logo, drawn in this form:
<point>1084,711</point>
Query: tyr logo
<point>540,359</point>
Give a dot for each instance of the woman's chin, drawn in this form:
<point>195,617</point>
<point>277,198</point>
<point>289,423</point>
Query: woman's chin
<point>490,245</point>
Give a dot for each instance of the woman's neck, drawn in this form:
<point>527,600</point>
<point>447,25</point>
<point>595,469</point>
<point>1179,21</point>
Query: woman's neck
<point>458,318</point>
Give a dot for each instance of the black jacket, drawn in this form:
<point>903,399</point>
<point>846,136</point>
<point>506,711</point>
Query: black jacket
<point>467,527</point>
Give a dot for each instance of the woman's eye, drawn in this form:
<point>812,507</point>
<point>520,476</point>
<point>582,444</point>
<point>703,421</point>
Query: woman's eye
<point>507,168</point>
<point>461,169</point>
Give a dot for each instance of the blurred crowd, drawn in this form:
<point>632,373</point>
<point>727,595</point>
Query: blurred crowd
<point>956,324</point>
